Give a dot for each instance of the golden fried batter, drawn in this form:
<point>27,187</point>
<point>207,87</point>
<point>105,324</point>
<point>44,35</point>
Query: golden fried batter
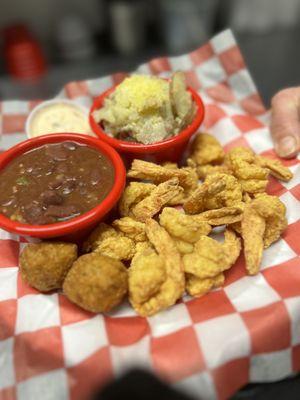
<point>169,165</point>
<point>253,228</point>
<point>96,283</point>
<point>253,178</point>
<point>232,247</point>
<point>275,167</point>
<point>131,228</point>
<point>198,287</point>
<point>146,275</point>
<point>207,260</point>
<point>262,224</point>
<point>222,216</point>
<point>204,170</point>
<point>217,191</point>
<point>132,195</point>
<point>103,231</point>
<point>109,242</point>
<point>159,197</point>
<point>182,226</point>
<point>210,257</point>
<point>274,212</point>
<point>157,174</point>
<point>197,201</point>
<point>193,183</point>
<point>172,287</point>
<point>119,248</point>
<point>207,150</point>
<point>230,196</point>
<point>143,246</point>
<point>183,247</point>
<point>236,226</point>
<point>45,265</point>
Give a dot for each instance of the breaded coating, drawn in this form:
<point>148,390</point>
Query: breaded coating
<point>198,287</point>
<point>217,191</point>
<point>204,170</point>
<point>207,150</point>
<point>133,194</point>
<point>193,184</point>
<point>119,248</point>
<point>107,241</point>
<point>252,230</point>
<point>143,246</point>
<point>236,226</point>
<point>169,165</point>
<point>182,226</point>
<point>273,211</point>
<point>155,173</point>
<point>159,197</point>
<point>45,265</point>
<point>252,177</point>
<point>222,216</point>
<point>275,167</point>
<point>187,177</point>
<point>210,257</point>
<point>131,228</point>
<point>103,231</point>
<point>230,196</point>
<point>183,247</point>
<point>262,224</point>
<point>197,201</point>
<point>146,275</point>
<point>96,283</point>
<point>247,198</point>
<point>207,260</point>
<point>232,247</point>
<point>172,287</point>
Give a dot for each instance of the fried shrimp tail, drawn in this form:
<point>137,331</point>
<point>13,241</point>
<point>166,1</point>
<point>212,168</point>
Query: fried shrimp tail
<point>162,270</point>
<point>159,197</point>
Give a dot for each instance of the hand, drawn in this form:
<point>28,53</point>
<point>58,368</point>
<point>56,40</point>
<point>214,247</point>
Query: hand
<point>285,122</point>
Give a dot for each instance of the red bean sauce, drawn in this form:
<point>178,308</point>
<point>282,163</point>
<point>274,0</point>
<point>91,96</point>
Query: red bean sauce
<point>54,182</point>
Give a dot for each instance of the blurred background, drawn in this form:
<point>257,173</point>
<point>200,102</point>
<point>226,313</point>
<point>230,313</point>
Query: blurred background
<point>46,43</point>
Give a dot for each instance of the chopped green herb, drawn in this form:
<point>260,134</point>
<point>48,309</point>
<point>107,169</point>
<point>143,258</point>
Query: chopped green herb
<point>22,181</point>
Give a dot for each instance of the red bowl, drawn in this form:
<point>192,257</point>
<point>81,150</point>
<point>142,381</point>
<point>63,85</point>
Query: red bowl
<point>78,226</point>
<point>171,149</point>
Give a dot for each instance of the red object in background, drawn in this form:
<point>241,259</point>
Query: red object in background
<point>23,54</point>
<point>171,149</point>
<point>78,227</point>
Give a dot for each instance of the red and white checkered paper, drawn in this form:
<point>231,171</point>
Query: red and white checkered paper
<point>248,331</point>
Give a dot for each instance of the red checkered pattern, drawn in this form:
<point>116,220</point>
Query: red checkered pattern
<point>248,331</point>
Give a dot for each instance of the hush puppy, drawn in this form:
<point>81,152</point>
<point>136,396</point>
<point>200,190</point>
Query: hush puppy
<point>45,265</point>
<point>96,283</point>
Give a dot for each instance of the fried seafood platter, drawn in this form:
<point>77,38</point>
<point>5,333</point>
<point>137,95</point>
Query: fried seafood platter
<point>162,245</point>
